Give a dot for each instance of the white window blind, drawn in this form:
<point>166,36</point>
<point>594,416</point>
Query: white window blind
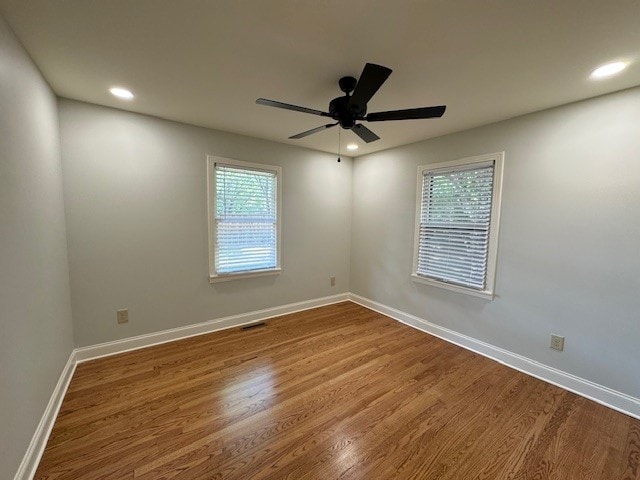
<point>246,219</point>
<point>455,224</point>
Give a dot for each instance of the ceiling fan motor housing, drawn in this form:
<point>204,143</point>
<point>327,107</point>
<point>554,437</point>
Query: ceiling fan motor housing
<point>340,111</point>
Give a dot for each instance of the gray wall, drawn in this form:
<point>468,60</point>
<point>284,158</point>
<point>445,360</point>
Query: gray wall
<point>569,248</point>
<point>135,196</point>
<point>36,336</point>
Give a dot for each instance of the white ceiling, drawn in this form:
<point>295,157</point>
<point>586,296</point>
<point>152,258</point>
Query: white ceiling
<point>206,62</point>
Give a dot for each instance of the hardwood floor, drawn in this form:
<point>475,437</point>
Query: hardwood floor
<point>334,392</point>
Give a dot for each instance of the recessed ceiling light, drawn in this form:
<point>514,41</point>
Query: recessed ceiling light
<point>121,93</point>
<point>608,69</point>
<point>352,146</point>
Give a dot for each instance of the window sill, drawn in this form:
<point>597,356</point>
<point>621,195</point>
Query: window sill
<point>237,276</point>
<point>488,295</point>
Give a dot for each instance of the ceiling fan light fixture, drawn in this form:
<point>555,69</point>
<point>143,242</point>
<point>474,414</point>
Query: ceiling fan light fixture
<point>608,70</point>
<point>352,147</point>
<point>122,93</point>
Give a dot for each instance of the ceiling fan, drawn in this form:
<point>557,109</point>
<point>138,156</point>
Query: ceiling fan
<point>351,109</point>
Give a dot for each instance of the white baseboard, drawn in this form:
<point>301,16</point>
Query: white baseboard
<point>92,352</point>
<point>605,396</point>
<point>32,457</point>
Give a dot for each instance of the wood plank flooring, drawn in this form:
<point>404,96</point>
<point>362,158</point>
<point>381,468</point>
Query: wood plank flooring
<point>335,392</point>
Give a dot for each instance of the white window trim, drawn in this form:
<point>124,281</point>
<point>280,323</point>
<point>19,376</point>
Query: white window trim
<point>489,291</point>
<point>211,196</point>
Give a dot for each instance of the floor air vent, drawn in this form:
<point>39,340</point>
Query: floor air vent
<point>254,325</point>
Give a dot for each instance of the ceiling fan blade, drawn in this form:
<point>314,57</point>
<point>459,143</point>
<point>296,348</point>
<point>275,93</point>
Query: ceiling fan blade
<point>313,130</point>
<point>409,114</point>
<point>365,134</point>
<point>371,79</point>
<point>287,106</point>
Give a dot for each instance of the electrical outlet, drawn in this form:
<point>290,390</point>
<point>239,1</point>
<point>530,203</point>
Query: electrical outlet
<point>123,315</point>
<point>332,281</point>
<point>557,342</point>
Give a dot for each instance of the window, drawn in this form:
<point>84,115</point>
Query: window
<point>244,219</point>
<point>457,216</point>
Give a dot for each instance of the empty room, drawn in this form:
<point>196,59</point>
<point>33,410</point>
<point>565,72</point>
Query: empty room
<point>278,239</point>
